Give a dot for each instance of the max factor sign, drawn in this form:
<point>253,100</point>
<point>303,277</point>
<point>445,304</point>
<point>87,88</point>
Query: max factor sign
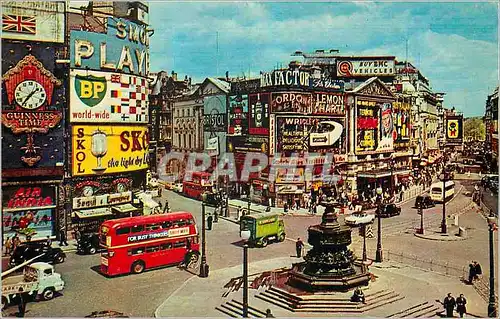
<point>285,78</point>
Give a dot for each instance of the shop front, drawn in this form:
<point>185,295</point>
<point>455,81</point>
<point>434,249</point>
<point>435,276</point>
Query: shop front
<point>290,194</point>
<point>90,211</point>
<point>29,210</point>
<point>260,192</point>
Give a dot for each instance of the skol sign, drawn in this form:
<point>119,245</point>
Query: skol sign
<point>454,130</point>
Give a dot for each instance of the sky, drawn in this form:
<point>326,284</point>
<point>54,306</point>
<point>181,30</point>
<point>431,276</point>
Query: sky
<point>454,44</point>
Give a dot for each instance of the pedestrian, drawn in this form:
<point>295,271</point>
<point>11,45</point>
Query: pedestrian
<point>62,237</point>
<point>461,302</point>
<point>22,298</point>
<point>472,272</point>
<point>48,242</point>
<point>477,270</point>
<point>449,305</point>
<point>285,207</point>
<point>8,246</point>
<point>166,208</point>
<point>210,220</point>
<point>269,314</point>
<point>216,215</point>
<point>299,245</point>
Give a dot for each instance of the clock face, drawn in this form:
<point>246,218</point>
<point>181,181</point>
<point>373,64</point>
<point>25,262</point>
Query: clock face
<point>88,191</point>
<point>30,94</point>
<point>120,187</point>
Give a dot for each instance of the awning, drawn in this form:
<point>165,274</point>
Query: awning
<point>125,208</point>
<point>149,202</point>
<point>384,173</point>
<point>96,212</point>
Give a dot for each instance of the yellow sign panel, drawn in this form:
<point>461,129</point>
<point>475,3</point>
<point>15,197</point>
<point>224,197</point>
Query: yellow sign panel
<point>453,129</point>
<point>109,149</point>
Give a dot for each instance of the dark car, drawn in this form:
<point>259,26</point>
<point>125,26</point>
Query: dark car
<point>424,201</point>
<point>88,243</point>
<point>106,314</point>
<point>27,251</point>
<point>388,210</point>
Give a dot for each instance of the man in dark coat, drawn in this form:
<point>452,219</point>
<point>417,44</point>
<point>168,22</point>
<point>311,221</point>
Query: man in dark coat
<point>62,237</point>
<point>22,298</point>
<point>461,302</point>
<point>299,245</point>
<point>449,305</point>
<point>472,272</point>
<point>477,270</point>
<point>210,220</point>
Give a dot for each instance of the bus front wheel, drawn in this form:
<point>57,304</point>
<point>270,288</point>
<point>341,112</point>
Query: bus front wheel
<point>138,267</point>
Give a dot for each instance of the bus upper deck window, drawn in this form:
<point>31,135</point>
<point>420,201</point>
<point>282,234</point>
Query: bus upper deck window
<point>137,228</point>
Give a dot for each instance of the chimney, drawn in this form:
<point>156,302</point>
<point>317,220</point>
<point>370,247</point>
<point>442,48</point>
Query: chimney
<point>174,76</point>
<point>189,81</point>
<point>227,76</point>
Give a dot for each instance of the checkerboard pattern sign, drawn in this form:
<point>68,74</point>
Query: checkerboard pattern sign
<point>130,100</point>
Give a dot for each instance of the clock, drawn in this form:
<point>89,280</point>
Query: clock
<point>88,191</point>
<point>121,187</point>
<point>30,94</point>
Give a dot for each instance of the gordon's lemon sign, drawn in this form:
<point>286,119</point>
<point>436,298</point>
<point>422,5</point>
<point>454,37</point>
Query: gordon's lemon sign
<point>109,149</point>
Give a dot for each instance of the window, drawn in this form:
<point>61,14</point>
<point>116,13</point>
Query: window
<point>190,141</point>
<point>152,249</point>
<point>166,225</point>
<point>184,140</point>
<point>153,226</point>
<point>123,231</point>
<point>181,223</point>
<point>137,228</point>
<point>166,246</point>
<point>48,272</point>
<point>180,244</point>
<point>136,251</point>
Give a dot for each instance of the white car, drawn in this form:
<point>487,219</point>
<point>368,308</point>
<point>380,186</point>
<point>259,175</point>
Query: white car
<point>359,219</point>
<point>177,188</point>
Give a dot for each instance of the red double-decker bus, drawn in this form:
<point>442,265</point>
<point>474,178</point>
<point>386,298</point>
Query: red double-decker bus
<point>135,243</point>
<point>199,184</point>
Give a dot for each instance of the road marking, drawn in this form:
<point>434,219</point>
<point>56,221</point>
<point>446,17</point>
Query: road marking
<point>172,294</point>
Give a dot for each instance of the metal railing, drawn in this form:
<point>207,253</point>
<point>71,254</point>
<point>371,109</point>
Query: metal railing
<point>436,266</point>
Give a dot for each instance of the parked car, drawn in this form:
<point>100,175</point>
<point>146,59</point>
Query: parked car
<point>177,188</point>
<point>27,251</point>
<point>424,201</point>
<point>359,218</point>
<point>88,243</point>
<point>388,210</point>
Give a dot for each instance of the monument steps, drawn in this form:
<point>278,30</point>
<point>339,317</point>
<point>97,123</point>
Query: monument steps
<point>277,302</point>
<point>234,309</point>
<point>382,301</point>
<point>421,310</point>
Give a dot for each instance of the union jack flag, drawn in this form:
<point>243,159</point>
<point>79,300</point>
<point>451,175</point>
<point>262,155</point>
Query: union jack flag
<point>19,24</point>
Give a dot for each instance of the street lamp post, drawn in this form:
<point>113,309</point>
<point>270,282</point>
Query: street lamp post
<point>245,235</point>
<point>378,255</point>
<point>249,203</point>
<point>203,265</point>
<point>421,212</point>
<point>492,306</point>
<point>443,221</point>
<point>364,242</point>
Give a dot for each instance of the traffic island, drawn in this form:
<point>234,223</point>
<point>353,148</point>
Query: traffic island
<point>454,234</point>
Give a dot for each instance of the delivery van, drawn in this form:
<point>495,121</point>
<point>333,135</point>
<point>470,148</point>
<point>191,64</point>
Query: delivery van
<point>263,227</point>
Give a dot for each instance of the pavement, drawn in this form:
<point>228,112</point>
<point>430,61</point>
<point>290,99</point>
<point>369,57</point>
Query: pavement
<point>416,285</point>
<point>436,234</point>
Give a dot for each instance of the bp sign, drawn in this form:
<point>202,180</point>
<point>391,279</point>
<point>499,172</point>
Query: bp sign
<point>91,89</point>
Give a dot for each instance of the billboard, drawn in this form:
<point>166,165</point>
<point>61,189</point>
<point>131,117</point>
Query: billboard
<point>319,134</point>
<point>248,143</point>
<point>401,119</point>
<point>324,103</point>
<point>214,110</point>
<point>123,48</point>
<point>454,130</point>
<point>374,127</point>
<point>32,111</point>
<point>238,115</point>
<point>108,97</point>
<point>366,67</point>
<point>101,150</point>
<point>291,102</point>
<point>259,113</point>
<point>33,21</point>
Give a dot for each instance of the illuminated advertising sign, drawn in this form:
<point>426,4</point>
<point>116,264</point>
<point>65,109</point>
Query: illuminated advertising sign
<point>259,113</point>
<point>285,78</point>
<point>214,108</point>
<point>108,97</point>
<point>292,102</point>
<point>328,104</point>
<point>109,149</point>
<point>124,48</point>
<point>248,143</point>
<point>238,115</point>
<point>365,67</point>
<point>317,134</point>
<point>454,130</point>
<point>374,127</point>
<point>401,119</point>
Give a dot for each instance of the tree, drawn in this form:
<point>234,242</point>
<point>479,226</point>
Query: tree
<point>474,128</point>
